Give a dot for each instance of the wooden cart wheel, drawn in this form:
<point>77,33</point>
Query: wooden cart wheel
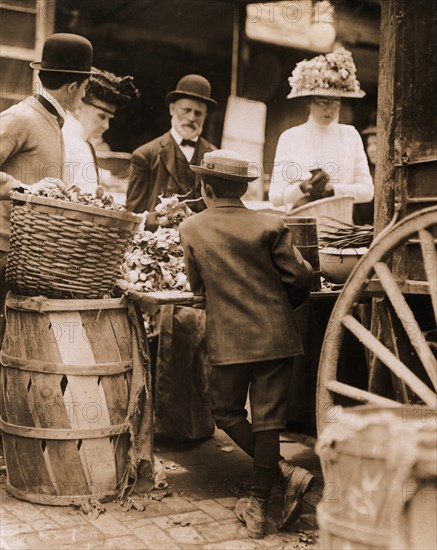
<point>376,264</point>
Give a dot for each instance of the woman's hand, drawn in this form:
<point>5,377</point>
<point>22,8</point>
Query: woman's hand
<point>318,182</point>
<point>305,186</point>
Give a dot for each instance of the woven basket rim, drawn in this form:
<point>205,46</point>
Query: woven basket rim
<point>78,207</point>
<point>326,200</point>
<point>306,209</point>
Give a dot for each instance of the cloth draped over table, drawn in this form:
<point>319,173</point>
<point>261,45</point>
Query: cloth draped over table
<point>139,473</point>
<point>182,398</point>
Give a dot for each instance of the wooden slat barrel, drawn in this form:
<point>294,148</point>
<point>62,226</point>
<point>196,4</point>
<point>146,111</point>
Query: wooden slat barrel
<point>65,379</point>
<point>304,231</point>
<point>380,478</point>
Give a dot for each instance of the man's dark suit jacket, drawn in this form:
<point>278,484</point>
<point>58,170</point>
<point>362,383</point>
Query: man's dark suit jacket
<point>153,170</point>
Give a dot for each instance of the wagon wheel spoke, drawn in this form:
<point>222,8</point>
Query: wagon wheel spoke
<point>408,320</point>
<point>359,395</point>
<point>390,360</point>
<point>429,254</point>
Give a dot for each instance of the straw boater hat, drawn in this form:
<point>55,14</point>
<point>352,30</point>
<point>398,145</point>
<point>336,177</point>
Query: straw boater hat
<point>330,75</point>
<point>109,92</point>
<point>66,53</point>
<point>224,164</point>
<point>192,86</point>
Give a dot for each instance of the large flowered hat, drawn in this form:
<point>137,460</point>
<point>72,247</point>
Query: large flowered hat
<point>330,75</point>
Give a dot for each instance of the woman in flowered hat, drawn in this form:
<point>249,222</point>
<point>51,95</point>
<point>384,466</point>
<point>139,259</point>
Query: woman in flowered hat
<point>321,157</point>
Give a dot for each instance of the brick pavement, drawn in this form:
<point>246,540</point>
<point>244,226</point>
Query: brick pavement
<point>204,482</point>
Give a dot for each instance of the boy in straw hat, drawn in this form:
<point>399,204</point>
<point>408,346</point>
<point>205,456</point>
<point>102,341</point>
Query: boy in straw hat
<point>252,276</point>
<point>31,144</point>
<point>321,157</point>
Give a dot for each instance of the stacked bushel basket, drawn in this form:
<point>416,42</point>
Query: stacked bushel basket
<point>67,353</point>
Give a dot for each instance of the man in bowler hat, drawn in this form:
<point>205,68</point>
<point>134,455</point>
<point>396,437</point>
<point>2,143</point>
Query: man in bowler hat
<point>31,144</point>
<point>161,167</point>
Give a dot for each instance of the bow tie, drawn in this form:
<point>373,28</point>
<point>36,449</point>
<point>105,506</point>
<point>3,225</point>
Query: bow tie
<point>188,142</point>
<point>50,108</point>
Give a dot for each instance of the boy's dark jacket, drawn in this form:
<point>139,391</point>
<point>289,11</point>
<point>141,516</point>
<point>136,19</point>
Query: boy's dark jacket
<point>252,276</point>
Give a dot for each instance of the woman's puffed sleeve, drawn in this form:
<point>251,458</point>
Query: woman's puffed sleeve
<point>287,173</point>
<point>361,187</point>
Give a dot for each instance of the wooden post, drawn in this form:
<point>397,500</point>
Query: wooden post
<point>384,175</point>
<point>406,167</point>
<point>407,138</point>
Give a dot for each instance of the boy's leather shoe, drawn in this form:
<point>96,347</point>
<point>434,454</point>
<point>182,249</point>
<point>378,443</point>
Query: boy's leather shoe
<point>296,482</point>
<point>253,512</point>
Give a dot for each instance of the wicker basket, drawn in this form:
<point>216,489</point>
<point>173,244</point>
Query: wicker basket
<point>61,249</point>
<point>339,208</point>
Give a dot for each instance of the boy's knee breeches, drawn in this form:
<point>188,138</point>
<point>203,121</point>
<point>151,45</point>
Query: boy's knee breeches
<point>267,383</point>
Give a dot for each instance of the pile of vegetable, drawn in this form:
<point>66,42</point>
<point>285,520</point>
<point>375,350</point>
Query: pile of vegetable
<point>343,235</point>
<point>99,199</point>
<point>155,260</point>
<point>172,211</point>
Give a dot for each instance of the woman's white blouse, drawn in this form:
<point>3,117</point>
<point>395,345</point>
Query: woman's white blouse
<point>336,148</point>
<point>80,166</point>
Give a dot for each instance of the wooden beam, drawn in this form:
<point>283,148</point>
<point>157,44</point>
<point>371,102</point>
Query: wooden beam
<point>385,171</point>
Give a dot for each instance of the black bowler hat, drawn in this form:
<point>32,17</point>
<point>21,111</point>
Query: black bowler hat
<point>66,53</point>
<point>192,86</point>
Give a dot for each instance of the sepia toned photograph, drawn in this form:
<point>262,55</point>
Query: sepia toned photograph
<point>218,274</point>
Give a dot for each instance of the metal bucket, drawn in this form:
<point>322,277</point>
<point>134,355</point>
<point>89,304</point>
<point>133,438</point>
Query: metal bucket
<point>304,231</point>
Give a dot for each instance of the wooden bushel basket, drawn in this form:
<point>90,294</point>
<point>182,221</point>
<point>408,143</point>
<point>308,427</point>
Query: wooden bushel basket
<point>380,478</point>
<point>62,249</point>
<point>65,380</point>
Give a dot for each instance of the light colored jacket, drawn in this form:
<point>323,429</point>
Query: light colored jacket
<point>31,148</point>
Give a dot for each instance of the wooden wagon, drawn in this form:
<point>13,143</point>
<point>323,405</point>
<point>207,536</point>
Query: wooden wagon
<point>379,460</point>
<point>399,272</point>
